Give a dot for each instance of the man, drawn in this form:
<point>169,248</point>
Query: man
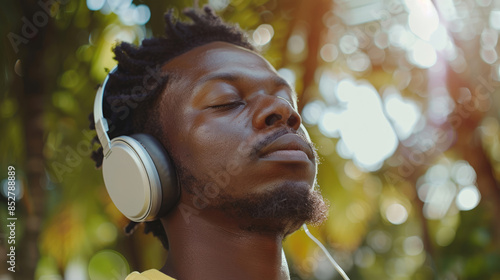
<point>229,122</point>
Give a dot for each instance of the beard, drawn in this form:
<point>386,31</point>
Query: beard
<point>281,210</point>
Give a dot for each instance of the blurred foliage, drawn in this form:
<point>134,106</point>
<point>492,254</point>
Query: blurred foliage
<point>410,213</point>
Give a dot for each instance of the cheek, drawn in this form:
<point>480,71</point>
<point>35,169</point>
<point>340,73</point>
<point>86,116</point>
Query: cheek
<point>213,143</point>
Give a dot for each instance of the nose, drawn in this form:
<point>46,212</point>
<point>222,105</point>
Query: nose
<point>275,111</point>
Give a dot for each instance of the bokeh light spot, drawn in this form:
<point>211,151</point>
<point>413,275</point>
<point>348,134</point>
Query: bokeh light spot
<point>312,112</point>
<point>380,241</point>
<point>423,54</point>
<point>396,214</point>
<point>263,34</point>
<point>329,52</point>
<point>463,173</point>
<point>488,55</point>
<point>75,270</point>
<point>468,198</point>
<point>296,44</point>
<point>106,232</point>
<point>358,62</point>
<point>364,257</point>
<point>348,44</point>
<point>108,264</point>
<point>218,5</point>
<point>495,19</point>
<point>18,191</point>
<point>95,5</point>
<point>329,124</point>
<point>413,245</point>
<point>403,113</point>
<point>141,14</point>
<point>423,19</point>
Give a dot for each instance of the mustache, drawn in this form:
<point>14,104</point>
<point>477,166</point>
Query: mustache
<point>277,134</point>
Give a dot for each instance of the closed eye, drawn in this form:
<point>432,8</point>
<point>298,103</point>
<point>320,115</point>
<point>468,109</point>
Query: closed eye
<point>230,105</point>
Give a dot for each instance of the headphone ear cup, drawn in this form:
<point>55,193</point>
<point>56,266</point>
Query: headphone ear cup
<point>134,172</point>
<point>165,168</point>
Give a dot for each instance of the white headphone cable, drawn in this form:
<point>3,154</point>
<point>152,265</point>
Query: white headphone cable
<point>330,258</point>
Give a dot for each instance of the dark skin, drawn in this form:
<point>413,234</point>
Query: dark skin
<point>225,102</point>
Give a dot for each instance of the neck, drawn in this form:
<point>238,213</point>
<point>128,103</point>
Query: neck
<point>206,246</point>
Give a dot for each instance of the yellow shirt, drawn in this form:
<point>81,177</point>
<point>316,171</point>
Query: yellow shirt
<point>151,274</point>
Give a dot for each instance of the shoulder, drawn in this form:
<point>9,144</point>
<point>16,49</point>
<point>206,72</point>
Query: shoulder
<point>151,274</point>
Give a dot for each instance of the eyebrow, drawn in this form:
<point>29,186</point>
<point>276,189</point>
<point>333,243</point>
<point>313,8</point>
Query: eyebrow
<point>230,77</point>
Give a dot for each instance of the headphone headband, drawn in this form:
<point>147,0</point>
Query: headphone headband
<point>101,124</point>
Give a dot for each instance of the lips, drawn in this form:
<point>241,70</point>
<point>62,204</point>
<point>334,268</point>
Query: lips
<point>286,145</point>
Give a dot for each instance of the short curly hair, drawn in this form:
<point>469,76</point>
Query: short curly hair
<point>126,85</point>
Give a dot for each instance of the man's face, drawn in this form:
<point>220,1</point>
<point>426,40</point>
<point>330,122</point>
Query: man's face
<point>232,126</point>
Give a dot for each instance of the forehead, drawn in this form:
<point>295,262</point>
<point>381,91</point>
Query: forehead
<point>216,56</point>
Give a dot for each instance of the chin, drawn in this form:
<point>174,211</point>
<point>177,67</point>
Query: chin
<point>279,178</point>
<point>280,209</point>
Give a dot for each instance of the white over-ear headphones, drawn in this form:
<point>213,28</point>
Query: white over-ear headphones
<point>138,173</point>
